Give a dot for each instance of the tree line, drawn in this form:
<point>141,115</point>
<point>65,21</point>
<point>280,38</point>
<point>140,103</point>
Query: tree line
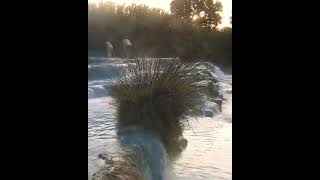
<point>189,31</point>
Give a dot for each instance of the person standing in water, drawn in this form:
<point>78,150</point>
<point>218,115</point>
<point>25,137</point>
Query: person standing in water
<point>127,47</point>
<point>109,49</point>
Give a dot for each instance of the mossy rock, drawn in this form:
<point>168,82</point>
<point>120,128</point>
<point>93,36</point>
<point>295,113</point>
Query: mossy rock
<point>122,166</point>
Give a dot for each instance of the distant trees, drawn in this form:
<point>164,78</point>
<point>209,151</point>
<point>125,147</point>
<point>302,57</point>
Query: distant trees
<point>155,33</point>
<point>204,13</point>
<point>182,8</point>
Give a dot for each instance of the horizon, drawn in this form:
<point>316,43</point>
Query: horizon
<point>165,5</point>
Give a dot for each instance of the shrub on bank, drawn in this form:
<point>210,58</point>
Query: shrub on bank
<point>158,96</point>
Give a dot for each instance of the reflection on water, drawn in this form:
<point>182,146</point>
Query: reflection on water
<point>208,154</point>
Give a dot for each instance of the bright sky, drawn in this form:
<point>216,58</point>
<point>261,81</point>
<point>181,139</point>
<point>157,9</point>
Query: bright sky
<point>165,5</point>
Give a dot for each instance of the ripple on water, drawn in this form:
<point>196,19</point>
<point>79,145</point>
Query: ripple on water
<point>101,132</point>
<point>208,154</point>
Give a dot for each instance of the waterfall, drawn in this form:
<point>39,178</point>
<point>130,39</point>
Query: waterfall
<point>150,150</point>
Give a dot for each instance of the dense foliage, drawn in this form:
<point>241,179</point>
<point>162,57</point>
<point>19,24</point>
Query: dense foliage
<point>157,96</point>
<point>156,33</point>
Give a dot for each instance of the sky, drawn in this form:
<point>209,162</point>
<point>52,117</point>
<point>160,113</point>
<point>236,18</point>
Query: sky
<point>165,5</point>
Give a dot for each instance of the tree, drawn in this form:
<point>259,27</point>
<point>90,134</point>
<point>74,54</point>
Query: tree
<point>181,8</point>
<point>204,13</point>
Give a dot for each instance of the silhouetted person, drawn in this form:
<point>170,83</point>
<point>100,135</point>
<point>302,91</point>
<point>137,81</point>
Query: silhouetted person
<point>127,47</point>
<point>109,49</point>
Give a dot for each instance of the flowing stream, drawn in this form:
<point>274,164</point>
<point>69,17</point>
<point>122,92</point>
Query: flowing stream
<point>208,155</point>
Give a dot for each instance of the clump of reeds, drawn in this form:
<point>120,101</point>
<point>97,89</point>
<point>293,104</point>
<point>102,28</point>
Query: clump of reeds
<point>156,95</point>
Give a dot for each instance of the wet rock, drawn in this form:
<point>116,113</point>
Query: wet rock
<point>176,146</point>
<point>118,167</point>
<point>102,156</point>
<point>211,108</point>
<point>120,171</point>
<point>182,143</point>
<point>208,113</point>
<point>218,102</point>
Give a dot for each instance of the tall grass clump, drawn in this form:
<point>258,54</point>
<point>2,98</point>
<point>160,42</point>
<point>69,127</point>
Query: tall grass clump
<point>157,96</point>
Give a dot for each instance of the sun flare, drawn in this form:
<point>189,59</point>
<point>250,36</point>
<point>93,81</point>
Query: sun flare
<point>165,5</point>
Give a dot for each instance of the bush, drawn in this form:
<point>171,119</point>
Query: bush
<point>158,96</point>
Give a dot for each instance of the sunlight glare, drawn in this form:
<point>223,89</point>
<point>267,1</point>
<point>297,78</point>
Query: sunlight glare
<point>165,5</point>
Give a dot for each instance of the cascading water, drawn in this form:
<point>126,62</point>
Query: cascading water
<point>207,156</point>
<point>151,150</point>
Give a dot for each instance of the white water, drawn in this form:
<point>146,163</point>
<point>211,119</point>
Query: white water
<point>208,154</point>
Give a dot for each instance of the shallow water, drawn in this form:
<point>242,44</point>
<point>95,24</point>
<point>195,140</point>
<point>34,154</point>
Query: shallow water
<point>209,151</point>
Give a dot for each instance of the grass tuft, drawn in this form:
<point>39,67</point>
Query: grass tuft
<point>158,96</point>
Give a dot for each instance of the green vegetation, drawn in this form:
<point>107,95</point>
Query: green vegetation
<point>119,167</point>
<point>155,33</point>
<point>158,96</point>
<point>205,13</point>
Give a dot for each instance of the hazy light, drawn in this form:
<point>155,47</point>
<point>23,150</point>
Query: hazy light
<point>165,5</point>
<point>195,17</point>
<point>201,14</point>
